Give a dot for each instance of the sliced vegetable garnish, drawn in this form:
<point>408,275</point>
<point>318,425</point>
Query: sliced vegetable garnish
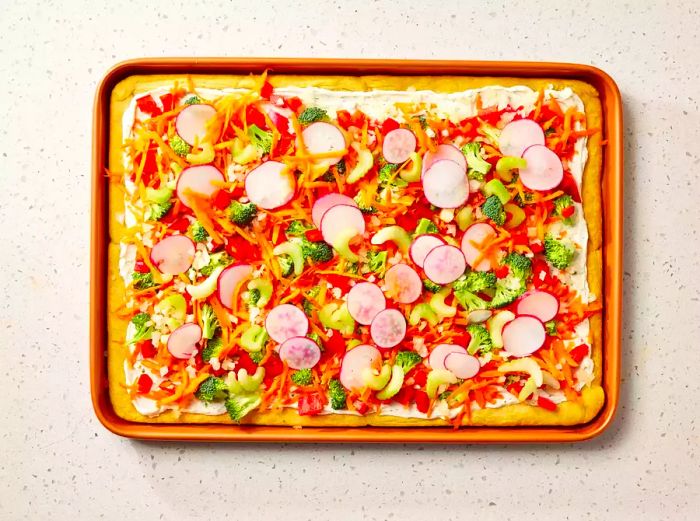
<point>339,220</point>
<point>355,361</point>
<point>173,254</point>
<point>523,335</point>
<point>518,135</point>
<point>444,151</point>
<point>270,185</point>
<point>462,365</point>
<point>365,300</point>
<point>198,181</point>
<point>192,123</point>
<point>388,328</point>
<point>437,357</point>
<point>182,342</point>
<point>403,284</point>
<point>300,352</point>
<point>325,203</point>
<point>229,282</point>
<point>324,138</point>
<point>445,184</point>
<point>421,246</point>
<point>444,264</point>
<point>398,145</point>
<point>286,321</point>
<point>544,170</point>
<point>473,245</point>
<point>538,303</point>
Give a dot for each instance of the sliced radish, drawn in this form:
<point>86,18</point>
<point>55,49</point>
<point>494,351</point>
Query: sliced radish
<point>444,264</point>
<point>300,352</point>
<point>437,357</point>
<point>398,145</point>
<point>192,122</point>
<point>474,236</point>
<point>538,303</point>
<point>325,203</point>
<point>340,219</point>
<point>173,255</point>
<point>445,184</point>
<point>203,180</point>
<point>321,138</point>
<point>270,185</point>
<point>517,135</point>
<point>444,151</point>
<point>183,341</point>
<point>365,300</point>
<point>403,284</point>
<point>388,328</point>
<point>544,170</point>
<point>286,321</point>
<point>462,365</point>
<point>354,364</point>
<point>523,335</point>
<point>421,246</point>
<point>229,280</point>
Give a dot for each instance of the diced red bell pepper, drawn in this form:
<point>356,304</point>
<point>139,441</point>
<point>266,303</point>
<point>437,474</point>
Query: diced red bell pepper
<point>181,225</point>
<point>579,352</point>
<point>294,103</point>
<point>241,249</point>
<point>266,90</point>
<point>344,118</point>
<point>254,117</point>
<point>335,344</point>
<point>420,377</point>
<point>339,281</point>
<point>144,384</point>
<point>245,362</point>
<point>222,200</point>
<point>546,403</point>
<point>360,406</point>
<point>536,247</point>
<point>388,125</point>
<point>501,272</point>
<point>140,267</point>
<point>273,367</point>
<point>148,105</point>
<point>422,401</point>
<point>568,212</point>
<point>310,404</point>
<point>405,395</point>
<point>568,186</point>
<point>409,220</point>
<point>168,101</point>
<point>148,350</point>
<point>313,235</point>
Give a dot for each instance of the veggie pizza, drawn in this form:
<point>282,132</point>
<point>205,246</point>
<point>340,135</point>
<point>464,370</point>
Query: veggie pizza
<point>321,250</point>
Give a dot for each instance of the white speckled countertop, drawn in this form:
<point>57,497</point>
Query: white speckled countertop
<point>58,462</point>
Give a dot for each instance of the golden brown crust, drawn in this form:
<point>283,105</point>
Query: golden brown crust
<point>568,413</point>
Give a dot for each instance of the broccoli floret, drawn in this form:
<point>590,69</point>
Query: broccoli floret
<point>363,203</point>
<point>478,166</point>
<point>253,297</point>
<point>376,260</point>
<point>239,405</point>
<point>198,232</point>
<point>341,167</point>
<point>426,226</point>
<point>386,173</point>
<point>507,290</point>
<point>521,201</point>
<point>475,281</point>
<point>213,348</point>
<point>551,328</point>
<point>562,202</point>
<point>470,301</point>
<point>157,211</point>
<point>493,209</point>
<point>480,339</point>
<point>209,321</point>
<point>407,360</point>
<point>557,252</point>
<point>306,304</point>
<point>179,146</point>
<point>312,114</point>
<point>286,265</point>
<point>241,213</point>
<point>193,100</point>
<point>519,265</point>
<point>302,377</point>
<point>260,138</point>
<point>316,338</point>
<point>316,251</point>
<point>297,228</point>
<point>257,356</point>
<point>143,327</point>
<point>429,285</point>
<point>213,388</point>
<point>159,203</point>
<point>217,259</point>
<point>422,121</point>
<point>142,280</point>
<point>337,394</point>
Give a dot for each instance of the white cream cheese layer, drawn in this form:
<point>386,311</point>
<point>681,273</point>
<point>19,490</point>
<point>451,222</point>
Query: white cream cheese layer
<point>380,104</point>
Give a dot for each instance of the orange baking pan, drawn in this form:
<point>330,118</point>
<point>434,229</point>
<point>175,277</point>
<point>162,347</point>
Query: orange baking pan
<point>612,251</point>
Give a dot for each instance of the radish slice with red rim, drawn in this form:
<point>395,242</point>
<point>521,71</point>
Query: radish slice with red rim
<point>325,203</point>
<point>365,300</point>
<point>388,328</point>
<point>202,180</point>
<point>322,138</point>
<point>444,264</point>
<point>538,303</point>
<point>339,219</point>
<point>445,184</point>
<point>462,365</point>
<point>173,254</point>
<point>544,170</point>
<point>437,357</point>
<point>183,341</point>
<point>444,151</point>
<point>475,235</point>
<point>403,284</point>
<point>300,352</point>
<point>270,185</point>
<point>354,364</point>
<point>192,122</point>
<point>523,335</point>
<point>229,280</point>
<point>398,145</point>
<point>286,321</point>
<point>421,246</point>
<point>517,135</point>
